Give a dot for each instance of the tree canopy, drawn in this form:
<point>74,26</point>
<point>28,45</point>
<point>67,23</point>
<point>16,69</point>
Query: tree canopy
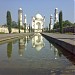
<point>65,23</point>
<point>60,21</point>
<point>9,21</point>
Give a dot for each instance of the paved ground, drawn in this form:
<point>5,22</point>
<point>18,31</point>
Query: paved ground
<point>63,37</point>
<point>4,37</point>
<point>67,41</point>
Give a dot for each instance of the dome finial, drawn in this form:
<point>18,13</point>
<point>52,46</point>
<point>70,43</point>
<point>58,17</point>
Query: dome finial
<point>20,8</point>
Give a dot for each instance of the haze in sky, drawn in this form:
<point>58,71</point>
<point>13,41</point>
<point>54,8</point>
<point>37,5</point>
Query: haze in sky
<point>32,7</point>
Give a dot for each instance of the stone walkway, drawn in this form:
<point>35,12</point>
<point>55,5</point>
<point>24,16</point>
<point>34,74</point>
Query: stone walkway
<point>63,37</point>
<point>4,37</point>
<point>64,40</point>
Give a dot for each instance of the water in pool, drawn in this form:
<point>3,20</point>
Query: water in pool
<point>34,55</point>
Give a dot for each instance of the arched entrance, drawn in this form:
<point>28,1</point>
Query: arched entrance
<point>38,25</point>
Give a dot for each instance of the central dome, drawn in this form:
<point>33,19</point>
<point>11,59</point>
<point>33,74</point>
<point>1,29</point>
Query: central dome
<point>39,16</point>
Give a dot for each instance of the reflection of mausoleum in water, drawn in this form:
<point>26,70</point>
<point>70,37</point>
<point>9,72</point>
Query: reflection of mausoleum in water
<point>37,42</point>
<point>38,23</point>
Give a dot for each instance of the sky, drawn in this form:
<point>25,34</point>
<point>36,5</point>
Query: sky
<point>32,7</point>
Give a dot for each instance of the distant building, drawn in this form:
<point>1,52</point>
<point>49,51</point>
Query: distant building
<point>51,22</point>
<point>20,16</point>
<point>38,23</point>
<point>56,15</point>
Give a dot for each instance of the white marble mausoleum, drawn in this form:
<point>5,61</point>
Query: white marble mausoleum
<point>38,23</point>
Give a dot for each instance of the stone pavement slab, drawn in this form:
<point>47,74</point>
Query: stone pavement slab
<point>63,37</point>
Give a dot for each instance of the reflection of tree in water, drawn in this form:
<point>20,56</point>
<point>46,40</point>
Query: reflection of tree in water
<point>51,46</point>
<point>64,52</point>
<point>9,49</point>
<point>14,41</point>
<point>28,38</point>
<point>25,40</point>
<point>57,51</point>
<point>60,53</point>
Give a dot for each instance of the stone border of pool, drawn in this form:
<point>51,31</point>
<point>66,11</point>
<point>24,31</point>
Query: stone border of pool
<point>5,37</point>
<point>63,40</point>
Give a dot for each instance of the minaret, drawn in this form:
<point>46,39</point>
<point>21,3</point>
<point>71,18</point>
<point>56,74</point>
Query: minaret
<point>33,22</point>
<point>25,20</point>
<point>20,16</point>
<point>51,22</point>
<point>56,15</point>
<point>43,21</point>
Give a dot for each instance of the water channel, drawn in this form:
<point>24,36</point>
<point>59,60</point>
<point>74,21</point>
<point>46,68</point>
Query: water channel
<point>34,55</point>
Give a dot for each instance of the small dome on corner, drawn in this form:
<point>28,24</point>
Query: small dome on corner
<point>20,8</point>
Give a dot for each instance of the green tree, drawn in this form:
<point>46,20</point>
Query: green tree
<point>46,29</point>
<point>9,21</point>
<point>9,49</point>
<point>67,23</point>
<point>29,28</point>
<point>56,25</point>
<point>60,22</point>
<point>24,27</point>
<point>49,27</point>
<point>14,24</point>
<point>19,25</point>
<point>74,24</point>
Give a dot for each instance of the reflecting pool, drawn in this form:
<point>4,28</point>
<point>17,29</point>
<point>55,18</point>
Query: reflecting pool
<point>34,55</point>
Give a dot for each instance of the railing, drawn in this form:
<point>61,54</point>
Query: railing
<point>66,29</point>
